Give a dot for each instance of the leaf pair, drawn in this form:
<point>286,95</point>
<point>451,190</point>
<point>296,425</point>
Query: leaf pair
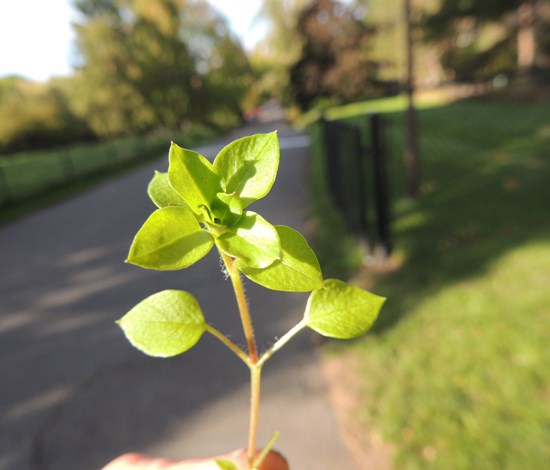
<point>171,322</point>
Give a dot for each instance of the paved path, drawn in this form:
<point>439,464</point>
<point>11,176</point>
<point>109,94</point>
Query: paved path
<point>74,394</point>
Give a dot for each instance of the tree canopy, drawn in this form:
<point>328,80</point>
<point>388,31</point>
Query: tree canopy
<point>479,40</point>
<point>334,60</point>
<point>151,64</point>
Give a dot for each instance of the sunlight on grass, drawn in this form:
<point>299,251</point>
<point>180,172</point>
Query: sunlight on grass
<point>473,363</point>
<point>361,108</point>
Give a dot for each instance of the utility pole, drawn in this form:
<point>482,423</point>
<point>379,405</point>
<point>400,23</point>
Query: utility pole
<point>411,128</point>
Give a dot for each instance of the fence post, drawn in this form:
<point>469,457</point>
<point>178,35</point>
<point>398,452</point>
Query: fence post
<point>380,175</point>
<point>350,191</point>
<point>333,170</point>
<point>360,155</point>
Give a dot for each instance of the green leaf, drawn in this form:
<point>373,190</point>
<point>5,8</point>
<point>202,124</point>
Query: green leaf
<point>226,465</point>
<point>253,241</point>
<point>161,192</point>
<point>248,166</point>
<point>165,324</point>
<point>227,209</point>
<point>193,177</point>
<point>171,238</point>
<point>298,269</point>
<point>339,310</point>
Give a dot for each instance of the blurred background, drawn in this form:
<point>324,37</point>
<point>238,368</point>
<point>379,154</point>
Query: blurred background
<point>428,124</point>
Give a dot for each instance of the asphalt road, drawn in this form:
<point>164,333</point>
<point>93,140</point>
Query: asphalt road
<point>74,394</point>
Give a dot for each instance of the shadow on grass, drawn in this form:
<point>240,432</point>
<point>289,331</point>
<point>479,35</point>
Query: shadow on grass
<point>485,191</point>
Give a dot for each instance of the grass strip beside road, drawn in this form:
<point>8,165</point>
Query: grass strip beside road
<point>457,370</point>
<point>35,179</point>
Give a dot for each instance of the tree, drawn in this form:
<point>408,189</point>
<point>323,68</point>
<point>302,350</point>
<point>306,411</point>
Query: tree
<point>387,45</point>
<point>146,64</point>
<point>223,70</point>
<point>482,39</point>
<point>36,115</point>
<point>274,56</point>
<point>334,60</point>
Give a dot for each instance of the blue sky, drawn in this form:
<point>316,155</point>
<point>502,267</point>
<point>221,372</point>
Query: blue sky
<point>36,35</point>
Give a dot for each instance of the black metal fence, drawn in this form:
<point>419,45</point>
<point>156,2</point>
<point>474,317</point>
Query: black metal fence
<point>358,179</point>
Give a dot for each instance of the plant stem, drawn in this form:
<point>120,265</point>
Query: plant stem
<point>255,370</point>
<point>230,344</point>
<point>255,382</point>
<point>235,277</point>
<point>281,342</point>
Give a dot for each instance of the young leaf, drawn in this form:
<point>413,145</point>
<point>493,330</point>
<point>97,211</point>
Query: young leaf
<point>193,177</point>
<point>171,238</point>
<point>161,193</point>
<point>227,208</point>
<point>253,240</point>
<point>248,166</point>
<point>339,310</point>
<point>226,465</point>
<point>165,324</point>
<point>297,271</point>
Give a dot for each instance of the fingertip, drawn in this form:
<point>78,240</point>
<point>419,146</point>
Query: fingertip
<point>122,461</point>
<point>274,461</point>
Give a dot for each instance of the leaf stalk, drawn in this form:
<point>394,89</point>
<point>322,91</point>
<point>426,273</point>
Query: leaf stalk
<point>281,342</point>
<point>230,344</point>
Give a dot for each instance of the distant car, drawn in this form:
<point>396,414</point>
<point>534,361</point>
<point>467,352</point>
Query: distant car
<point>252,115</point>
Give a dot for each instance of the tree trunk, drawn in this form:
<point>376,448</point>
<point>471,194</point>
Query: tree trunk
<point>526,37</point>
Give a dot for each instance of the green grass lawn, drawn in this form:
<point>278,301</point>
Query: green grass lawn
<point>456,372</point>
<point>31,179</point>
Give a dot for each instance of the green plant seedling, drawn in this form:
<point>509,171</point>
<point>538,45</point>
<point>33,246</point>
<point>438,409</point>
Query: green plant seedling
<point>201,205</point>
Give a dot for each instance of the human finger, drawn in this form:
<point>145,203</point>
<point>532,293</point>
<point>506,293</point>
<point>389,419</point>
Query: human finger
<point>135,461</point>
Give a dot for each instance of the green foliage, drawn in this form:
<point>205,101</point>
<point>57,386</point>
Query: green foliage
<point>226,465</point>
<point>249,165</point>
<point>297,270</point>
<point>334,63</point>
<point>170,239</point>
<point>194,214</point>
<point>342,311</point>
<point>441,22</point>
<point>156,64</point>
<point>227,209</point>
<point>479,40</point>
<point>253,241</point>
<point>165,324</point>
<point>388,45</point>
<point>193,178</point>
<point>34,115</point>
<point>161,193</point>
<point>279,49</point>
